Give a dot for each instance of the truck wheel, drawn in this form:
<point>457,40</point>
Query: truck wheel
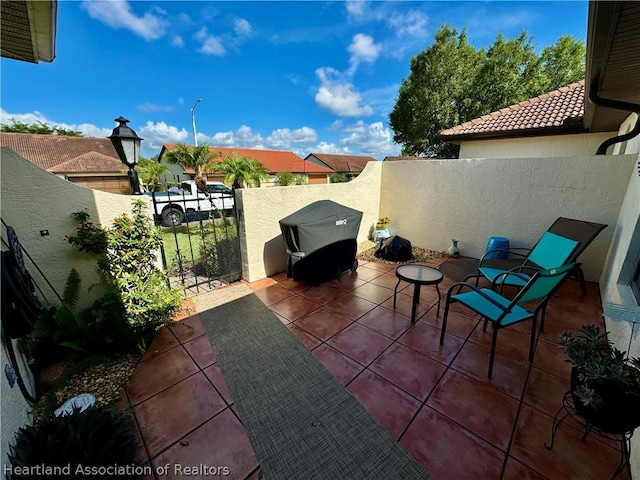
<point>172,217</point>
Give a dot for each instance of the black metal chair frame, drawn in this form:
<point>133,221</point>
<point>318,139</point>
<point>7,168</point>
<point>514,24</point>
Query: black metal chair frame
<point>497,324</point>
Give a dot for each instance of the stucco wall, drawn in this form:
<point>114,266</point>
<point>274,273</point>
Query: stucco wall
<point>470,200</point>
<point>14,410</point>
<point>548,146</point>
<point>34,200</point>
<point>620,307</point>
<point>260,209</point>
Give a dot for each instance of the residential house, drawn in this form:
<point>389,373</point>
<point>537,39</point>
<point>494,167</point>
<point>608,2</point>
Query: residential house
<point>552,124</point>
<point>276,161</point>
<point>350,166</point>
<point>86,161</point>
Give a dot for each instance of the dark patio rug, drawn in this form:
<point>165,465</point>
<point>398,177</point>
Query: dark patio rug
<point>302,423</point>
<point>457,269</point>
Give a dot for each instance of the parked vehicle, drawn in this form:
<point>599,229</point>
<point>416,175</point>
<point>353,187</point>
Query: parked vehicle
<point>176,205</point>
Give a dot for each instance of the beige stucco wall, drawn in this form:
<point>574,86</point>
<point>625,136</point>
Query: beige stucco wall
<point>260,209</point>
<point>620,306</point>
<point>33,199</point>
<point>547,146</point>
<point>470,200</point>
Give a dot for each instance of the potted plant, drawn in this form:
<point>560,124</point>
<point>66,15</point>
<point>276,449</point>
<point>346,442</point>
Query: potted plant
<point>605,382</point>
<point>383,222</point>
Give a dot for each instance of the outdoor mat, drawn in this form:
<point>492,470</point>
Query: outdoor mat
<point>302,423</point>
<point>457,269</point>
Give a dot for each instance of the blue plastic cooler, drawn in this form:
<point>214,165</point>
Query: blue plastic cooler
<point>495,243</point>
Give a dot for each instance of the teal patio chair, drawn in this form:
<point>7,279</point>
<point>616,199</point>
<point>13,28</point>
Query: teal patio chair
<point>501,311</point>
<point>550,251</point>
<point>581,231</point>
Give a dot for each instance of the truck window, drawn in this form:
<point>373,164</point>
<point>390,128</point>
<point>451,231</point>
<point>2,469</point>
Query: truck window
<point>186,187</point>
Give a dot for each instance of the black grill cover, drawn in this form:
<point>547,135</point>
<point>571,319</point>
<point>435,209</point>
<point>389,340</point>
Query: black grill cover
<point>321,240</point>
<point>319,224</point>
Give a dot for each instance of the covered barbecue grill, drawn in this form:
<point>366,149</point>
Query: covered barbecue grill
<point>321,241</point>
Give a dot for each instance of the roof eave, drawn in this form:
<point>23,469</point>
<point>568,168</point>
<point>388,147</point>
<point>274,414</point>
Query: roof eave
<point>529,132</point>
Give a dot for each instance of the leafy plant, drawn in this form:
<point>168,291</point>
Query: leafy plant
<point>383,222</point>
<point>96,437</point>
<point>598,363</point>
<point>131,263</point>
<point>88,237</point>
<point>240,171</point>
<point>219,257</point>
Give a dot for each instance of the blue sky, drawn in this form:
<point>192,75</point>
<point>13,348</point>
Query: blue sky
<point>310,76</point>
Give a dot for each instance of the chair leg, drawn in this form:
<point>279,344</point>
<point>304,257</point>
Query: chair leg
<point>583,285</point>
<point>532,342</point>
<point>444,318</point>
<point>484,325</point>
<point>395,292</point>
<point>494,340</point>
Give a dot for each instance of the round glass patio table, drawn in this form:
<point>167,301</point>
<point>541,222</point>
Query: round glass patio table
<point>418,275</point>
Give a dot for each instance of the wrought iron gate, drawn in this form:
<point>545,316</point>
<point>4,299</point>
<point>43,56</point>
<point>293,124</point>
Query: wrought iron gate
<point>200,243</point>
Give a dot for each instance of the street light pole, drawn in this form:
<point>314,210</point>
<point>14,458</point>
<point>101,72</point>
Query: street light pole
<point>193,121</point>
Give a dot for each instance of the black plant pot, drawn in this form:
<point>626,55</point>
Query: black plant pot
<point>620,412</point>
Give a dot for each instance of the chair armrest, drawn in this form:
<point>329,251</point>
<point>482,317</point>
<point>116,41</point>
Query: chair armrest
<point>509,251</point>
<point>476,290</point>
<point>500,278</point>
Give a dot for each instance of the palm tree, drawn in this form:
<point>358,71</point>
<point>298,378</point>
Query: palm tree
<point>240,172</point>
<point>150,171</point>
<point>192,157</point>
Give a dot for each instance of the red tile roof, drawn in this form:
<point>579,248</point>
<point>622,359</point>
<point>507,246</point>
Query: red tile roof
<point>559,111</point>
<point>59,154</point>
<point>275,160</point>
<point>343,163</point>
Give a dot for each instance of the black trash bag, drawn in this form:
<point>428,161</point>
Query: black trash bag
<point>395,249</point>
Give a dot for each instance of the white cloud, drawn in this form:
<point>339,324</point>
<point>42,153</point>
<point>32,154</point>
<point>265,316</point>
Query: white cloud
<point>337,125</point>
<point>177,41</point>
<point>150,107</point>
<point>118,14</point>
<point>339,96</point>
<point>373,139</point>
<point>242,27</point>
<point>285,139</point>
<point>245,137</point>
<point>325,147</point>
<point>211,45</point>
<point>412,23</point>
<point>357,9</point>
<point>363,49</point>
<point>157,134</point>
<point>222,139</point>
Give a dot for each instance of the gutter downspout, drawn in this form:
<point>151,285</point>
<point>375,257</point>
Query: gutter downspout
<point>618,105</point>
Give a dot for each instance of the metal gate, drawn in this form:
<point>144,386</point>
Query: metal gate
<point>200,243</point>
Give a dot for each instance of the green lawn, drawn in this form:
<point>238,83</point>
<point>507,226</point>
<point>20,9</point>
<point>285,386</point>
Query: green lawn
<point>189,239</point>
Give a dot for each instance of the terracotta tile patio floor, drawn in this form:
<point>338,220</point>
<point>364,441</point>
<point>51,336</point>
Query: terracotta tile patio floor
<point>437,401</point>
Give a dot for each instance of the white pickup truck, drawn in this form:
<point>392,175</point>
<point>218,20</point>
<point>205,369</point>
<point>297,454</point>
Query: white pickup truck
<point>178,204</point>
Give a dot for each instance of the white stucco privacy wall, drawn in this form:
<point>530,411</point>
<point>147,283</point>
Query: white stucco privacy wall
<point>34,200</point>
<point>471,200</point>
<point>260,210</point>
<point>574,145</point>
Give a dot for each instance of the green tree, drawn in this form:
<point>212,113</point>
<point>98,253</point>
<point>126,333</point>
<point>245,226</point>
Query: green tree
<point>435,95</point>
<point>284,179</point>
<point>563,62</point>
<point>192,157</point>
<point>39,127</point>
<point>149,172</point>
<point>240,171</point>
<point>452,82</point>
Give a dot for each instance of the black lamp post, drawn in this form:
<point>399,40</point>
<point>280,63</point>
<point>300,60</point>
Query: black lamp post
<point>127,144</point>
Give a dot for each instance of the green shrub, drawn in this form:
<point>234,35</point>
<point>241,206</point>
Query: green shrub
<point>96,437</point>
<point>219,257</point>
